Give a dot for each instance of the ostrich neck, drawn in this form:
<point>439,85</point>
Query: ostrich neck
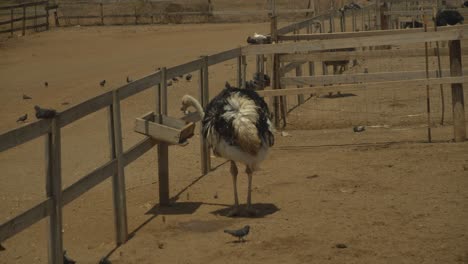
<point>194,102</point>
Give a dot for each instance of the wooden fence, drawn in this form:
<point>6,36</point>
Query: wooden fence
<point>119,158</point>
<point>35,12</point>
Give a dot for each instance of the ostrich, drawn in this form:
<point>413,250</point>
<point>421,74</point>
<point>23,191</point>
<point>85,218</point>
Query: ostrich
<point>237,127</point>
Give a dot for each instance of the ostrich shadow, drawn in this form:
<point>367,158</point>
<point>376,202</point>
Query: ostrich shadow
<point>261,209</point>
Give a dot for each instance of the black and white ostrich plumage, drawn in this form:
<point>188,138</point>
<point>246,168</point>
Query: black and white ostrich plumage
<point>236,124</point>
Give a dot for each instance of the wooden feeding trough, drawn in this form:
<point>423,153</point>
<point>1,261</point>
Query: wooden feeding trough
<point>164,128</point>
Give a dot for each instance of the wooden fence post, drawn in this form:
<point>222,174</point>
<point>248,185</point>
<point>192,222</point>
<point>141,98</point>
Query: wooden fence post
<point>353,12</point>
<point>243,72</point>
<point>47,17</point>
<point>300,97</point>
<point>35,18</point>
<point>56,19</point>
<point>204,99</point>
<point>11,19</point>
<point>101,9</point>
<point>458,104</point>
<point>274,28</point>
<point>275,78</point>
<point>118,179</point>
<point>54,191</point>
<point>163,147</point>
<point>136,16</point>
<point>239,71</point>
<point>24,21</point>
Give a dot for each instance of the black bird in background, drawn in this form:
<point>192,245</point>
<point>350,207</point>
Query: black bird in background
<point>22,118</point>
<point>42,113</point>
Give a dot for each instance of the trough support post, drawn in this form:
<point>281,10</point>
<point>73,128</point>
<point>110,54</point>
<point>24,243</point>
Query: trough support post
<point>204,99</point>
<point>274,28</point>
<point>101,9</point>
<point>24,21</point>
<point>458,104</point>
<point>54,191</point>
<point>118,179</point>
<point>163,147</point>
<point>300,97</point>
<point>275,85</point>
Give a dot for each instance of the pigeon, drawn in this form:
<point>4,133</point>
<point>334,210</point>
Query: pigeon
<point>102,83</point>
<point>42,113</point>
<point>105,260</point>
<point>67,259</point>
<point>169,83</point>
<point>175,79</point>
<point>22,118</point>
<point>188,77</point>
<point>46,84</point>
<point>26,97</point>
<point>240,233</point>
<point>129,80</point>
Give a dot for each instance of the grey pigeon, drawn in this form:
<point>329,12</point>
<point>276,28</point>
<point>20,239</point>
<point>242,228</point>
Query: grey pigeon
<point>175,79</point>
<point>22,118</point>
<point>46,84</point>
<point>129,80</point>
<point>104,260</point>
<point>240,233</point>
<point>42,113</point>
<point>25,97</point>
<point>359,128</point>
<point>102,83</point>
<point>188,77</point>
<point>67,259</point>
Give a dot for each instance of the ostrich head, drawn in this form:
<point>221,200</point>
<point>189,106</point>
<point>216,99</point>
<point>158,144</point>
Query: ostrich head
<point>189,101</point>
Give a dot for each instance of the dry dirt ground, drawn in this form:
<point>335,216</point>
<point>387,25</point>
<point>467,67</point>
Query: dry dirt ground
<point>384,193</point>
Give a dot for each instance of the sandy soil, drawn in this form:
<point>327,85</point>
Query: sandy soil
<point>386,195</point>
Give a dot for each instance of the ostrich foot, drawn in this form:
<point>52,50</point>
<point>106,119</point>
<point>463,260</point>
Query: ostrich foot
<point>234,212</point>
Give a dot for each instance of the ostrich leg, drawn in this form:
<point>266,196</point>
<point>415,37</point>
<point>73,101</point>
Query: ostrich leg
<point>235,210</point>
<point>251,211</point>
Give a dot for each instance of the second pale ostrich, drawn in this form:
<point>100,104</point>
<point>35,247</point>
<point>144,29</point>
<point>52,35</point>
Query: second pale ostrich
<point>236,124</point>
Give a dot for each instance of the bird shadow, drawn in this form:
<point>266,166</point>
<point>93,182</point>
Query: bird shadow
<point>261,209</point>
<point>237,241</point>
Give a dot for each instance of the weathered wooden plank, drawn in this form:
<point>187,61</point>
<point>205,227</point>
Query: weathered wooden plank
<point>20,18</point>
<point>138,150</point>
<point>291,66</point>
<point>162,133</point>
<point>139,85</point>
<point>224,56</point>
<point>183,68</point>
<point>292,27</point>
<point>192,117</point>
<point>349,55</point>
<point>89,181</point>
<point>25,220</point>
<point>319,45</point>
<point>85,108</point>
<point>21,28</point>
<point>321,89</point>
<point>360,77</point>
<point>24,134</point>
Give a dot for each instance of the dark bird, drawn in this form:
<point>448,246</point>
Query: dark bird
<point>414,24</point>
<point>25,97</point>
<point>1,248</point>
<point>359,128</point>
<point>236,124</point>
<point>240,233</point>
<point>175,79</point>
<point>102,83</point>
<point>169,83</point>
<point>188,77</point>
<point>105,260</point>
<point>129,80</point>
<point>42,113</point>
<point>22,118</point>
<point>46,84</point>
<point>67,259</point>
<point>449,17</point>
